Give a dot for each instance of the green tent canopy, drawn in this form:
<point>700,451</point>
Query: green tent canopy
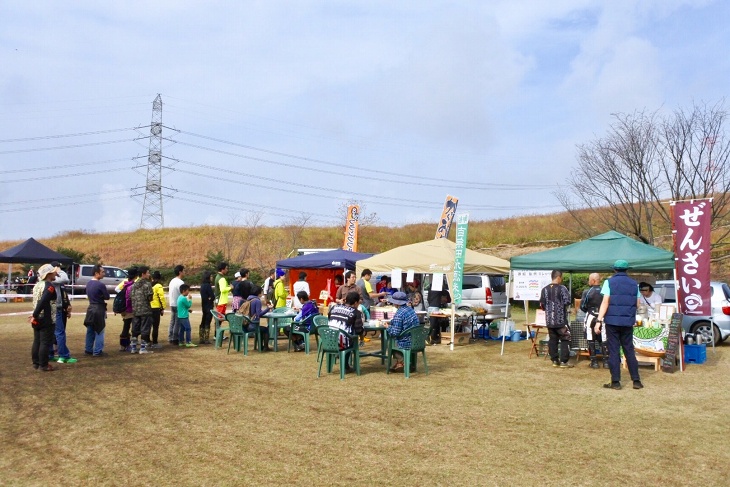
<point>598,254</point>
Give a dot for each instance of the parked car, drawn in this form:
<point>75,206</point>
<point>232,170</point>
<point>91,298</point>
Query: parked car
<point>486,291</point>
<point>720,302</point>
<point>112,276</point>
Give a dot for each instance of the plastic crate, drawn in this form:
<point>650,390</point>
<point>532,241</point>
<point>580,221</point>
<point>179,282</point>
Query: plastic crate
<point>695,354</point>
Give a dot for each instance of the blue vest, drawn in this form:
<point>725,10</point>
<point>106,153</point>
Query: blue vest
<point>622,306</point>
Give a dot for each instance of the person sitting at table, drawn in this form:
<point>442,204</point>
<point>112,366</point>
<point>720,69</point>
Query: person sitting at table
<point>648,297</point>
<point>403,319</point>
<point>348,318</point>
<point>255,312</point>
<point>382,284</point>
<point>303,320</point>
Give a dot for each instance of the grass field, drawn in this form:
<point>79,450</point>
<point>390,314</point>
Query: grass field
<point>204,417</point>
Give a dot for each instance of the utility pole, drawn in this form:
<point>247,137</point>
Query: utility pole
<point>152,207</point>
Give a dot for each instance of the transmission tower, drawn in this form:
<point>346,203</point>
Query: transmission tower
<point>152,207</point>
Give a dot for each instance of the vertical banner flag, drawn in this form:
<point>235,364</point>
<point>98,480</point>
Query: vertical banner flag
<point>691,234</point>
<point>462,227</point>
<point>351,223</point>
<point>447,216</point>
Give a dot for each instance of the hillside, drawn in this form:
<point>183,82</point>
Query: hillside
<point>260,247</point>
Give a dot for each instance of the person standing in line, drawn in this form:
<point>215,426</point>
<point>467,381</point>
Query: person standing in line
<point>184,303</point>
<point>237,298</point>
<point>207,301</point>
<point>141,304</point>
<point>42,320</point>
<point>158,307</point>
<point>280,293</point>
<point>95,320</point>
<point>555,300</point>
<point>590,303</point>
<point>128,314</point>
<point>300,285</point>
<point>618,309</point>
<point>222,288</point>
<point>63,312</point>
<point>246,286</point>
<point>268,287</point>
<point>174,293</point>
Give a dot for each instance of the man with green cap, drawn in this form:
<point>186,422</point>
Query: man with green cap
<point>618,309</point>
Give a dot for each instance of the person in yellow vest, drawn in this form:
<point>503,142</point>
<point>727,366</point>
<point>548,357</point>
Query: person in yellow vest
<point>280,289</point>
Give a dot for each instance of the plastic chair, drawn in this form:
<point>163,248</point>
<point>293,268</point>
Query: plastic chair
<point>330,342</point>
<point>418,344</point>
<point>219,328</point>
<point>238,325</point>
<point>304,334</point>
<point>319,320</point>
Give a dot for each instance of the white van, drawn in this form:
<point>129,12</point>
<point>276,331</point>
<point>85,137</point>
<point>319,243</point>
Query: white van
<point>487,291</point>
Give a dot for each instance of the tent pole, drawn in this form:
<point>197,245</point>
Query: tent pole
<point>506,309</point>
<point>453,325</point>
<point>679,310</point>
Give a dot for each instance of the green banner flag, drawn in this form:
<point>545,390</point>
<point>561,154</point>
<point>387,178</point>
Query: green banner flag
<point>462,227</point>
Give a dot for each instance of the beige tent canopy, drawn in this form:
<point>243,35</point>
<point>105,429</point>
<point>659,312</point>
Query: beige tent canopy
<point>432,256</point>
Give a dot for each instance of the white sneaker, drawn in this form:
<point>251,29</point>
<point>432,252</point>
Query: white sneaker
<point>146,350</point>
<point>133,350</point>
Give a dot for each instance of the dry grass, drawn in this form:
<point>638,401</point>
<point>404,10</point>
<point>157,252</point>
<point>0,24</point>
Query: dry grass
<point>202,417</point>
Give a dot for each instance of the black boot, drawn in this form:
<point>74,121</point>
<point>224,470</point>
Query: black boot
<point>604,353</point>
<point>592,353</point>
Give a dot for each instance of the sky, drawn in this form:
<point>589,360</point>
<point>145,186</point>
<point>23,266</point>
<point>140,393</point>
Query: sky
<point>280,112</point>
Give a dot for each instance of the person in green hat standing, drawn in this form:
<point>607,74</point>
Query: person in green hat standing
<point>618,313</point>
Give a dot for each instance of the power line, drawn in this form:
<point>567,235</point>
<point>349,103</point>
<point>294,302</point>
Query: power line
<point>75,146</point>
<point>339,166</point>
<point>66,166</point>
<point>63,197</point>
<point>57,176</point>
<point>79,134</point>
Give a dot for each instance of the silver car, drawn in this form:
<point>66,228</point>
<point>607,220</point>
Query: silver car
<point>701,324</point>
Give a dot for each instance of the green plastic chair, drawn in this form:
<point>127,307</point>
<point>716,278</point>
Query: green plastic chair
<point>219,328</point>
<point>418,344</point>
<point>319,320</point>
<point>304,334</point>
<point>330,342</point>
<point>238,325</point>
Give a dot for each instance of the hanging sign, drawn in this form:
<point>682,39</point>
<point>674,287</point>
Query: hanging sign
<point>462,227</point>
<point>351,224</point>
<point>691,234</point>
<point>447,216</point>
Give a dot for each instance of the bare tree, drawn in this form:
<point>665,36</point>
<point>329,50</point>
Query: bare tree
<point>625,179</point>
<point>366,219</point>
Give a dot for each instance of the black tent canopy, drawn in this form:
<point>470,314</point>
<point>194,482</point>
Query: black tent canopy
<point>32,252</point>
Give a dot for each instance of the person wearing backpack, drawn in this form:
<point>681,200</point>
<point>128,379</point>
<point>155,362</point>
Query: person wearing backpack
<point>590,302</point>
<point>141,295</point>
<point>95,320</point>
<point>124,289</point>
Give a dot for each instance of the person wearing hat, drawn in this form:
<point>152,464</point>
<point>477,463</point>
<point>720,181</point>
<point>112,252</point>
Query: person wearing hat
<point>618,314</point>
<point>63,312</point>
<point>280,293</point>
<point>403,319</point>
<point>158,305</point>
<point>237,297</point>
<point>42,319</point>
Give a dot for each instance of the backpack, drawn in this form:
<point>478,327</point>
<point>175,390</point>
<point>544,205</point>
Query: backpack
<point>245,309</point>
<point>120,302</point>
